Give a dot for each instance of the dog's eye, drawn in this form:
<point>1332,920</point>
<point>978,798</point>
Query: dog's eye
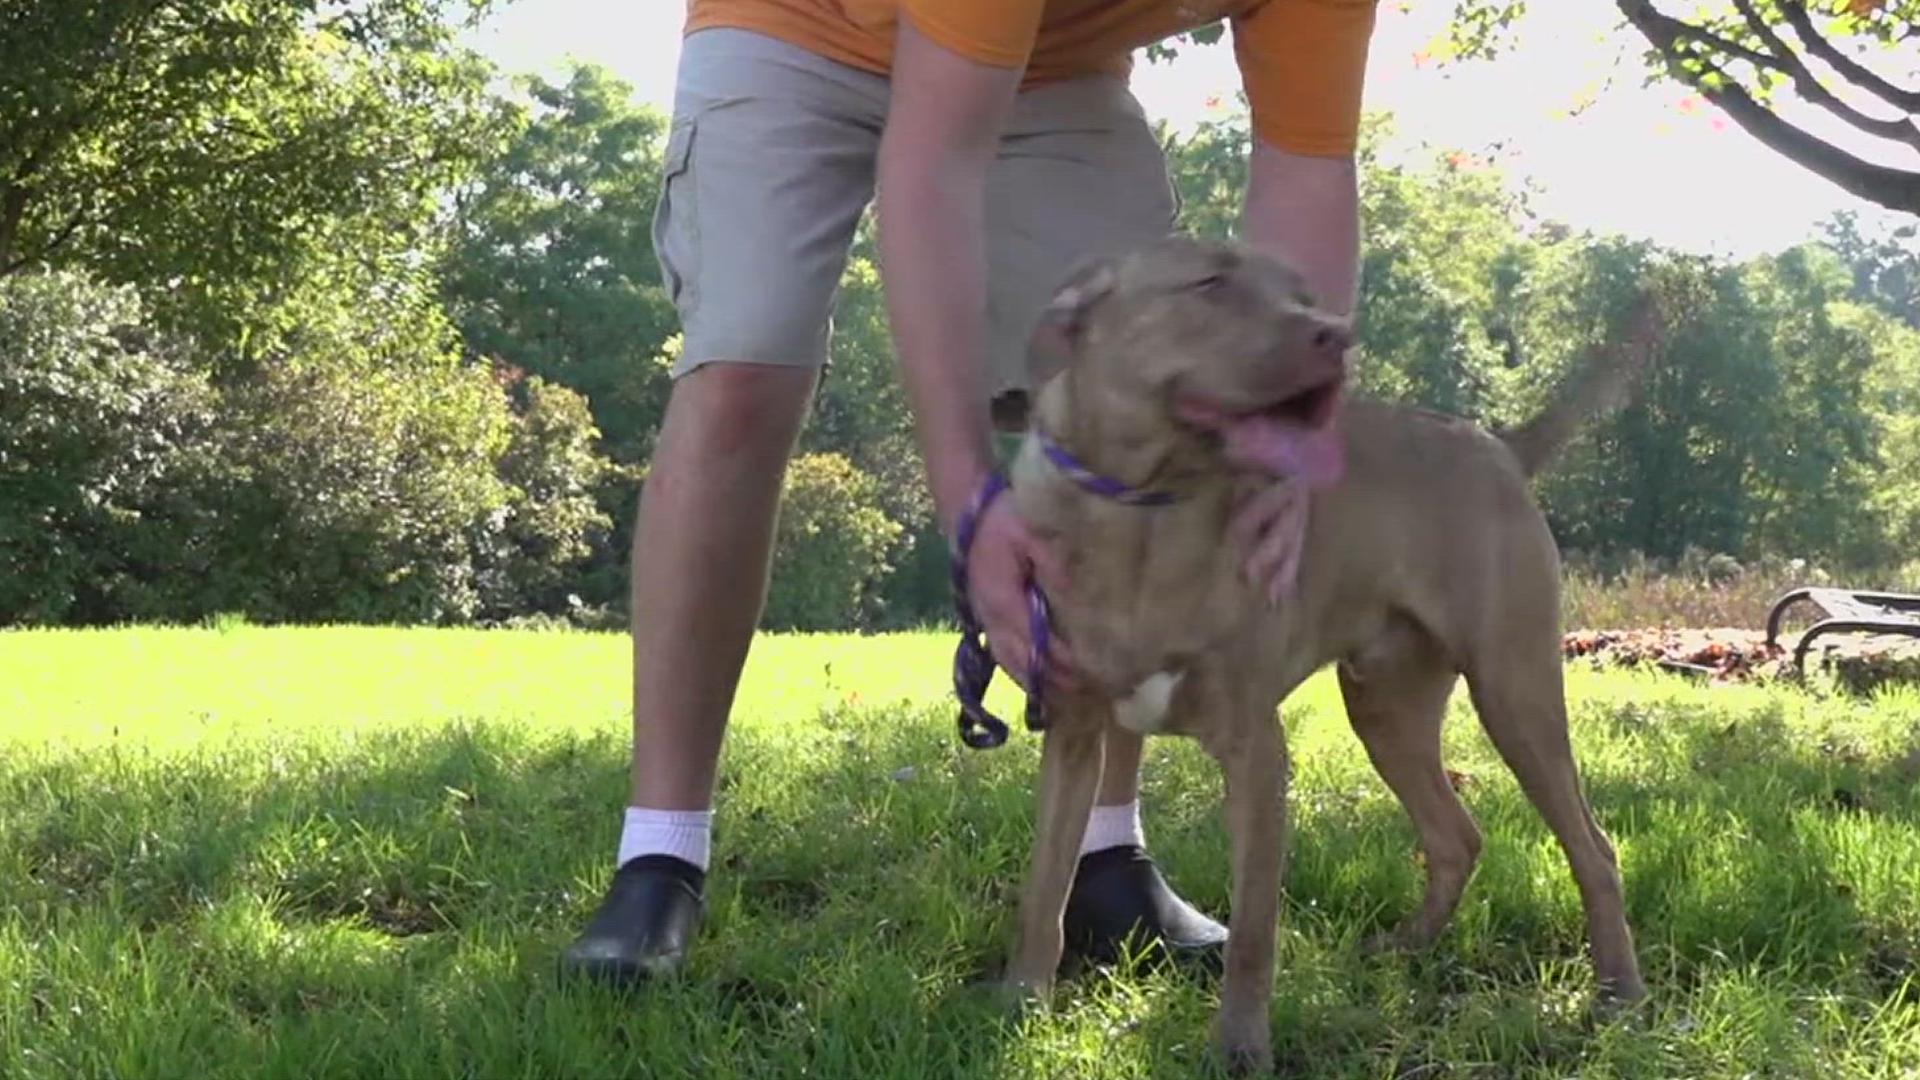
<point>1211,283</point>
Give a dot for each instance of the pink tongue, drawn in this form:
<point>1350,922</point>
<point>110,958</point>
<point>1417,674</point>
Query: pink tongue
<point>1315,456</point>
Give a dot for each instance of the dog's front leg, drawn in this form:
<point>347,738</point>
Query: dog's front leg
<point>1071,760</point>
<point>1253,759</point>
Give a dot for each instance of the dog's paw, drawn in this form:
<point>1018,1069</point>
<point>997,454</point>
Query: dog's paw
<point>1244,1044</point>
<point>1381,944</point>
<point>1017,998</point>
<point>1010,1000</point>
<point>1618,999</point>
<point>1398,940</point>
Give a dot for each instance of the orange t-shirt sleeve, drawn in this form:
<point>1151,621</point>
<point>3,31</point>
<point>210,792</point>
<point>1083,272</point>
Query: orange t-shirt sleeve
<point>996,32</point>
<point>1303,64</point>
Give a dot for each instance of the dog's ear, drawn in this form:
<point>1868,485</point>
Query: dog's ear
<point>1065,317</point>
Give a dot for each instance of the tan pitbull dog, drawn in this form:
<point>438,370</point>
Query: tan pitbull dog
<point>1193,368</point>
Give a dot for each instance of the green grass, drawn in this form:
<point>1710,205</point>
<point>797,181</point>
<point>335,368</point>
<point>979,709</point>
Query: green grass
<point>355,853</point>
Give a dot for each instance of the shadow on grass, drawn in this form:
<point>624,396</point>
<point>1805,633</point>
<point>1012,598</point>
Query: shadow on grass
<point>399,903</point>
<point>396,904</point>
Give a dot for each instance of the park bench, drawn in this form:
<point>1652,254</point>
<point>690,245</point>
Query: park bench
<point>1848,611</point>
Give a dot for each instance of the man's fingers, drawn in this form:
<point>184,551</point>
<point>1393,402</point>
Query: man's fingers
<point>1063,670</point>
<point>1276,558</point>
<point>1010,650</point>
<point>1286,576</point>
<point>1250,519</point>
<point>1255,525</point>
<point>1265,563</point>
<point>1004,606</point>
<point>1049,569</point>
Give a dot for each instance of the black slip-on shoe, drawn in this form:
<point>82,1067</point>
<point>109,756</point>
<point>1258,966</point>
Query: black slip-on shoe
<point>645,924</point>
<point>1118,894</point>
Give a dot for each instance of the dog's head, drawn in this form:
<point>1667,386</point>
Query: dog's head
<point>1215,351</point>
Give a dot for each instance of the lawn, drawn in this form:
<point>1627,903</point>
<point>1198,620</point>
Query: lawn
<point>355,853</point>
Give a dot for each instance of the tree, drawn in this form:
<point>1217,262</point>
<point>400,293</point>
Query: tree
<point>104,438</point>
<point>1894,382</point>
<point>366,473</point>
<point>1821,456</point>
<point>1740,58</point>
<point>860,414</point>
<point>552,268</point>
<point>545,551</point>
<point>200,150</point>
<point>1886,268</point>
<point>1740,61</point>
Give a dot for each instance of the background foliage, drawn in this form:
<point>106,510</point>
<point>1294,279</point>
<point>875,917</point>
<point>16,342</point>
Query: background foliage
<point>307,314</point>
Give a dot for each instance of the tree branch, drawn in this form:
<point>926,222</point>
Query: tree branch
<point>65,234</point>
<point>1907,101</point>
<point>1895,189</point>
<point>1809,88</point>
<point>23,260</point>
<point>13,208</point>
<point>1891,188</point>
<point>1734,48</point>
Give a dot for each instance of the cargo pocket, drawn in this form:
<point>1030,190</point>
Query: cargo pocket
<point>676,222</point>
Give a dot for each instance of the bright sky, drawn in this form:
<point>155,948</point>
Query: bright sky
<point>1645,161</point>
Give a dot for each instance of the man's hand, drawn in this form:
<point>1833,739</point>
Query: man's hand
<point>1270,528</point>
<point>1006,553</point>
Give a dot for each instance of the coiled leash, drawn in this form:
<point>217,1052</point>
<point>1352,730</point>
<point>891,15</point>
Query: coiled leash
<point>973,662</point>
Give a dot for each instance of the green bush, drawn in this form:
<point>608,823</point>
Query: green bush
<point>104,433</point>
<point>831,550</point>
<point>366,478</point>
<point>394,481</point>
<point>554,523</point>
<point>365,473</point>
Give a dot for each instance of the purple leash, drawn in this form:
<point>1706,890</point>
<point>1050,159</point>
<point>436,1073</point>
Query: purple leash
<point>973,662</point>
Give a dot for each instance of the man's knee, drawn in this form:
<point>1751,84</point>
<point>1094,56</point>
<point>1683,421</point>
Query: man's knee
<point>728,407</point>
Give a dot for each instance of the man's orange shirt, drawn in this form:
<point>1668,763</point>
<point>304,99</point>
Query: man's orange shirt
<point>1302,62</point>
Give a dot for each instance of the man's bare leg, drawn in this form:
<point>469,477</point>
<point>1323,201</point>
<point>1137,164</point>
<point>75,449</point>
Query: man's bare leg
<point>702,547</point>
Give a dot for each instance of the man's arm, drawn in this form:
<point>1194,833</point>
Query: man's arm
<point>1307,211</point>
<point>1304,62</point>
<point>1304,66</point>
<point>942,133</point>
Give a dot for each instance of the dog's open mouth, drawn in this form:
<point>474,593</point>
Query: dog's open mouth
<point>1295,436</point>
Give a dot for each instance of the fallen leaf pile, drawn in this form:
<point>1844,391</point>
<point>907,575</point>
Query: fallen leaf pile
<point>1731,654</point>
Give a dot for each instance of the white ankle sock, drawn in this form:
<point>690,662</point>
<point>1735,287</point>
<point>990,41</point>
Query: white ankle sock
<point>684,834</point>
<point>1112,826</point>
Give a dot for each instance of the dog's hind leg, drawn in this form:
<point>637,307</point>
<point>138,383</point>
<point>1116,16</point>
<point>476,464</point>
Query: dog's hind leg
<point>1521,698</point>
<point>1070,764</point>
<point>1397,703</point>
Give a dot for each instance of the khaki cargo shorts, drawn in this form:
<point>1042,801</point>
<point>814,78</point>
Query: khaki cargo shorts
<point>770,164</point>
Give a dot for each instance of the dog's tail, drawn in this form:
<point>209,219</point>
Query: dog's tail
<point>1604,382</point>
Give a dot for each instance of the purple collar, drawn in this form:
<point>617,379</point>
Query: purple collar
<point>1099,483</point>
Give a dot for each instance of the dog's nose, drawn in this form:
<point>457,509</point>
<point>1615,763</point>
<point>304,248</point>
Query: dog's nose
<point>1332,341</point>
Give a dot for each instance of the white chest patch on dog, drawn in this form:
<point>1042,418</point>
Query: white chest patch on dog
<point>1144,711</point>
